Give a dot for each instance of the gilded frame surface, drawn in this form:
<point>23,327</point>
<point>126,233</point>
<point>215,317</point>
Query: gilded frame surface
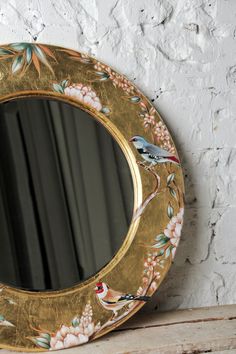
<point>32,321</point>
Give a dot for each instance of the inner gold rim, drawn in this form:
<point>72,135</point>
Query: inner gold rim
<point>136,179</point>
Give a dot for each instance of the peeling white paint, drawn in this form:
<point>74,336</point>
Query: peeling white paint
<point>182,54</point>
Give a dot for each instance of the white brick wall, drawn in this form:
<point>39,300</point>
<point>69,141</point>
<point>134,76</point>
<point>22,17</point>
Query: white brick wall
<point>182,54</point>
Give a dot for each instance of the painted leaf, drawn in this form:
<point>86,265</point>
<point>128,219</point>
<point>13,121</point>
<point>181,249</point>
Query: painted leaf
<point>103,76</point>
<point>40,55</point>
<point>17,64</point>
<point>36,62</point>
<point>173,192</point>
<point>58,88</point>
<point>45,336</point>
<point>135,99</point>
<point>105,110</point>
<point>160,237</point>
<point>43,340</point>
<point>100,73</point>
<point>170,178</point>
<point>168,250</point>
<point>28,55</point>
<point>40,343</point>
<point>64,83</point>
<point>161,243</point>
<point>170,211</point>
<point>75,322</point>
<point>4,51</point>
<point>19,46</point>
<point>47,51</point>
<point>160,253</point>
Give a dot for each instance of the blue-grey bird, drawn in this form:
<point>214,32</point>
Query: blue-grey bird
<point>152,153</point>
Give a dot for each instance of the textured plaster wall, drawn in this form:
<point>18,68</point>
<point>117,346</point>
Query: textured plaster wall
<point>182,54</point>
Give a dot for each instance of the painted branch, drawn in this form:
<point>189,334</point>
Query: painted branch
<point>152,195</point>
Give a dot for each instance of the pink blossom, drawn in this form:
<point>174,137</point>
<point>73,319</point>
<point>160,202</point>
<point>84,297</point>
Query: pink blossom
<point>173,230</point>
<point>84,94</point>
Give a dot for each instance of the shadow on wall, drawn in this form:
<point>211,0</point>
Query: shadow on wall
<point>171,294</point>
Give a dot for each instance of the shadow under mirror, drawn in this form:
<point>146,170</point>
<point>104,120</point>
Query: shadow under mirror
<point>66,194</point>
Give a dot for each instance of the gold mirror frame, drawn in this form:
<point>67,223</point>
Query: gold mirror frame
<point>32,321</point>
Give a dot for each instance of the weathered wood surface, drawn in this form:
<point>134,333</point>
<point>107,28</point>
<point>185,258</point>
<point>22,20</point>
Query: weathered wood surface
<point>178,332</point>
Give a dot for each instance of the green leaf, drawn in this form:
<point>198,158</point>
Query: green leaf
<point>42,344</point>
<point>170,211</point>
<point>5,51</point>
<point>105,110</point>
<point>19,46</point>
<point>17,63</point>
<point>173,192</point>
<point>40,54</point>
<point>64,83</point>
<point>58,88</point>
<point>160,237</point>
<point>170,178</point>
<point>160,252</point>
<point>45,336</point>
<point>2,318</point>
<point>167,252</point>
<point>42,340</point>
<point>75,322</point>
<point>28,54</point>
<point>135,99</point>
<point>161,243</point>
<point>102,73</point>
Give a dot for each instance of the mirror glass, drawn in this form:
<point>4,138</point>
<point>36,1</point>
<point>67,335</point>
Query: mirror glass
<point>66,194</point>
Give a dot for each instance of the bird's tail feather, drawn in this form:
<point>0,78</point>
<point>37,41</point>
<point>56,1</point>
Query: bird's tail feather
<point>143,298</point>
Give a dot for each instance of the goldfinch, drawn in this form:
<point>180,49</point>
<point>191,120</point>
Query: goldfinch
<point>152,153</point>
<point>113,300</point>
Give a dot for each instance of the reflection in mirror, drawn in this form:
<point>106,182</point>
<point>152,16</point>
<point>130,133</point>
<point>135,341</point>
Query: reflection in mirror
<point>66,194</point>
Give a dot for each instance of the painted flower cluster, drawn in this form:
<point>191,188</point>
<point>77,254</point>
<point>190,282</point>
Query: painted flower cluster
<point>83,93</point>
<point>158,128</point>
<point>105,73</point>
<point>173,230</point>
<point>169,239</point>
<point>80,331</point>
<point>160,133</point>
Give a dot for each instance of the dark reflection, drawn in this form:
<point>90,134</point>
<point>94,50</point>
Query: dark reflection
<point>66,195</point>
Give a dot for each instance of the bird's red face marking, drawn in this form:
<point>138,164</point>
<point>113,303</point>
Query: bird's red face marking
<point>99,288</point>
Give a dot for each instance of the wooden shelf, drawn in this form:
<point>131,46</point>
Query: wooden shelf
<point>191,331</point>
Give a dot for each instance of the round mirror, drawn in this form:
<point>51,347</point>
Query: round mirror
<point>66,194</point>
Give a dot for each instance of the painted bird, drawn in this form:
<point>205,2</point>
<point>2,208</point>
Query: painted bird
<point>113,300</point>
<point>152,153</point>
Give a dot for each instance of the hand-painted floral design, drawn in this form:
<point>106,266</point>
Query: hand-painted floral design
<point>158,129</point>
<point>79,332</point>
<point>23,54</point>
<point>173,230</point>
<point>168,241</point>
<point>160,250</point>
<point>4,322</point>
<point>83,93</point>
